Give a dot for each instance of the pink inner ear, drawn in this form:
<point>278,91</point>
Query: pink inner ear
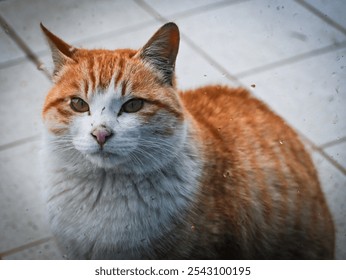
<point>174,39</point>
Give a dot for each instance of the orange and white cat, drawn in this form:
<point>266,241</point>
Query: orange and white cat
<point>135,169</point>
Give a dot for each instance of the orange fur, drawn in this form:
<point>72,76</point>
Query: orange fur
<point>260,183</point>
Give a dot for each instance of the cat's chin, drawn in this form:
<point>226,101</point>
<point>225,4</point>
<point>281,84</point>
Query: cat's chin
<point>122,164</point>
<point>104,159</point>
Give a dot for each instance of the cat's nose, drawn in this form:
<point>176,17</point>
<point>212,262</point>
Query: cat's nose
<point>101,134</point>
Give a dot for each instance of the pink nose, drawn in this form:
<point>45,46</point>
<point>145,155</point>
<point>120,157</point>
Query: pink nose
<point>101,134</point>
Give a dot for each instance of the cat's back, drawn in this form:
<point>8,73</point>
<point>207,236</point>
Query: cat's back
<point>223,108</point>
<point>258,170</point>
<point>232,116</point>
<point>236,120</point>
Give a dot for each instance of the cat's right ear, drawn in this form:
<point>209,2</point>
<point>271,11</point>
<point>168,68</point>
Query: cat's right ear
<point>62,52</point>
<point>161,51</point>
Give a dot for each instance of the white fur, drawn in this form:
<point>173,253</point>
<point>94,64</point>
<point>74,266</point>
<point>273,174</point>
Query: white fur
<point>117,202</point>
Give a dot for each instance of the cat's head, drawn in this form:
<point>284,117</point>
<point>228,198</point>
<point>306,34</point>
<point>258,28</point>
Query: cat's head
<point>116,107</point>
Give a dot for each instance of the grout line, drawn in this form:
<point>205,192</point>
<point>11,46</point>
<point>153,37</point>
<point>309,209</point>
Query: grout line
<point>331,160</point>
<point>117,32</point>
<point>26,246</point>
<point>290,60</point>
<point>12,62</point>
<point>19,142</point>
<point>321,15</point>
<point>332,143</point>
<point>190,12</point>
<point>21,59</point>
<point>212,62</point>
<point>151,11</point>
<point>96,37</point>
<point>205,8</point>
<point>216,65</point>
<point>322,153</point>
<point>23,46</point>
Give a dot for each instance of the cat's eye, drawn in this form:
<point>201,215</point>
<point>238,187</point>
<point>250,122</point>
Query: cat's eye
<point>79,105</point>
<point>133,105</point>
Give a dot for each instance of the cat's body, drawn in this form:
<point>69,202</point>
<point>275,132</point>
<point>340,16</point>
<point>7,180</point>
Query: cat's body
<point>135,170</point>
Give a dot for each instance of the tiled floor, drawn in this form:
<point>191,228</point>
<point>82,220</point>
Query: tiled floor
<point>294,52</point>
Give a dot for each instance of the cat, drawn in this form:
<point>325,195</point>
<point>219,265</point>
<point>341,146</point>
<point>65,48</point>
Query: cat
<point>135,169</point>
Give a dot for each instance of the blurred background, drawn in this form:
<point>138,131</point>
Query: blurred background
<point>291,54</point>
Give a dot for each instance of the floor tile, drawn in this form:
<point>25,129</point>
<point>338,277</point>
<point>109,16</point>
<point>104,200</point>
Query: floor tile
<point>335,10</point>
<point>23,89</point>
<point>334,185</point>
<point>165,7</point>
<point>309,94</point>
<point>338,153</point>
<point>22,211</point>
<point>8,49</point>
<point>45,251</point>
<point>74,20</point>
<point>255,33</point>
<point>194,71</point>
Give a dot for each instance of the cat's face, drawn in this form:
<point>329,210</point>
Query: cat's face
<point>117,108</point>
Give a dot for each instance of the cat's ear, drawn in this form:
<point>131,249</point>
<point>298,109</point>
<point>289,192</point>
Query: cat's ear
<point>62,52</point>
<point>161,51</point>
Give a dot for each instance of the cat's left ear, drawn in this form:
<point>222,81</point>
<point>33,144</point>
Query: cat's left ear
<point>62,53</point>
<point>161,51</point>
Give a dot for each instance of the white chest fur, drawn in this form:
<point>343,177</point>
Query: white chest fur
<point>99,213</point>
